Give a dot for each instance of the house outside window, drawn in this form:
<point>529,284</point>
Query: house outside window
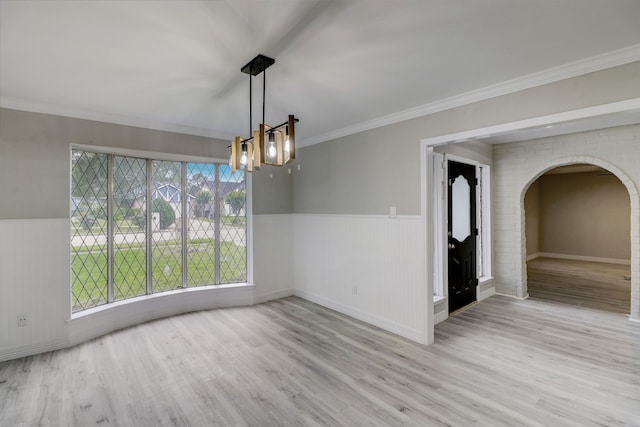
<point>142,226</point>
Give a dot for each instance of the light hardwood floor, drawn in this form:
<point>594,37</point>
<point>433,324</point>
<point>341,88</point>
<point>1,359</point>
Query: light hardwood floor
<point>595,285</point>
<point>500,362</point>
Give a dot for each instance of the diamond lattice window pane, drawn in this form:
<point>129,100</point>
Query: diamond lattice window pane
<point>166,246</point>
<point>88,230</point>
<point>129,225</point>
<point>201,236</point>
<point>233,226</point>
<point>214,196</point>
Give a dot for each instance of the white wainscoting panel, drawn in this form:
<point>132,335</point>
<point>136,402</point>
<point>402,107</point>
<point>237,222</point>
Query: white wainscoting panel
<point>272,256</point>
<point>368,267</point>
<point>35,277</point>
<point>34,280</point>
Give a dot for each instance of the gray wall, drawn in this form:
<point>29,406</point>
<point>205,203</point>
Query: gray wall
<point>273,190</point>
<point>365,173</point>
<point>585,214</point>
<point>35,161</point>
<point>358,175</point>
<point>478,151</point>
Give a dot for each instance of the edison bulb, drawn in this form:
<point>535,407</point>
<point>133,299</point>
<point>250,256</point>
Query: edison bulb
<point>244,159</point>
<point>272,151</point>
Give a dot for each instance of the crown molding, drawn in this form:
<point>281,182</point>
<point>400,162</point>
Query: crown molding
<point>589,65</point>
<point>58,110</point>
<point>573,69</point>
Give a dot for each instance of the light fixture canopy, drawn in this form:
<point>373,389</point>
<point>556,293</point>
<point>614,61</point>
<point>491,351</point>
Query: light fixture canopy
<point>270,145</point>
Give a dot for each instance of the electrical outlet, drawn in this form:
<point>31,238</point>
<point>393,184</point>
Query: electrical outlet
<point>22,319</point>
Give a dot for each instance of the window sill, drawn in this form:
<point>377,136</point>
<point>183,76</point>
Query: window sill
<point>98,321</point>
<point>167,295</point>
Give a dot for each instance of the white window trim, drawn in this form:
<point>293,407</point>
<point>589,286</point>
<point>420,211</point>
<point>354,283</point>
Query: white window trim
<point>155,155</point>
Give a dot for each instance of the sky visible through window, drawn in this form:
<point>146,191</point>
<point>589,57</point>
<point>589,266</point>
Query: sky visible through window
<point>208,171</point>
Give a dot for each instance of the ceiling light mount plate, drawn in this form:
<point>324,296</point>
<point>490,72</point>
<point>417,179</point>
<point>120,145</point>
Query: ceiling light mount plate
<point>258,65</point>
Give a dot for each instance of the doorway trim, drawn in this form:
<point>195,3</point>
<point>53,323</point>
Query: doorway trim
<point>426,192</point>
<point>634,197</point>
<point>434,213</point>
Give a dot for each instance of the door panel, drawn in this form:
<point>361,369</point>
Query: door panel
<point>462,234</point>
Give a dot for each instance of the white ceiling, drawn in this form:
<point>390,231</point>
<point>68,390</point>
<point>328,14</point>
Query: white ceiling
<point>341,66</point>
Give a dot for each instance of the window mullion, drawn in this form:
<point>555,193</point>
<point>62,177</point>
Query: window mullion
<point>149,227</point>
<point>184,224</point>
<point>112,197</point>
<point>216,219</point>
<point>110,227</point>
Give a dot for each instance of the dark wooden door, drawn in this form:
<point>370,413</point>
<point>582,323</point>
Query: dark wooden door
<point>462,234</point>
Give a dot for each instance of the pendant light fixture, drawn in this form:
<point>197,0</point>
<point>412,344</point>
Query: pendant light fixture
<point>270,145</point>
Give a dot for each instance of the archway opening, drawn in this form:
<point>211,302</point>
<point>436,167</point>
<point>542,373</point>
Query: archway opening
<point>578,245</point>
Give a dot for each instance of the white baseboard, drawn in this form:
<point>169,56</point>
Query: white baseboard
<point>24,351</point>
<point>410,333</point>
<point>486,288</point>
<point>533,256</point>
<point>584,258</point>
<point>513,296</point>
<point>441,309</point>
<point>258,299</point>
<point>486,293</point>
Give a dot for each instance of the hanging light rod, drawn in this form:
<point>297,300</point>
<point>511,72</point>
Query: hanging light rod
<point>272,130</point>
<point>250,153</point>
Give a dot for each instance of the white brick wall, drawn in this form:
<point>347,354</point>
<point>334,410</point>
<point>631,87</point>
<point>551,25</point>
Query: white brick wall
<point>517,165</point>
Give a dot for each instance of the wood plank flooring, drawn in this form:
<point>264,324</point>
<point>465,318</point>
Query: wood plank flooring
<point>587,284</point>
<point>501,362</point>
